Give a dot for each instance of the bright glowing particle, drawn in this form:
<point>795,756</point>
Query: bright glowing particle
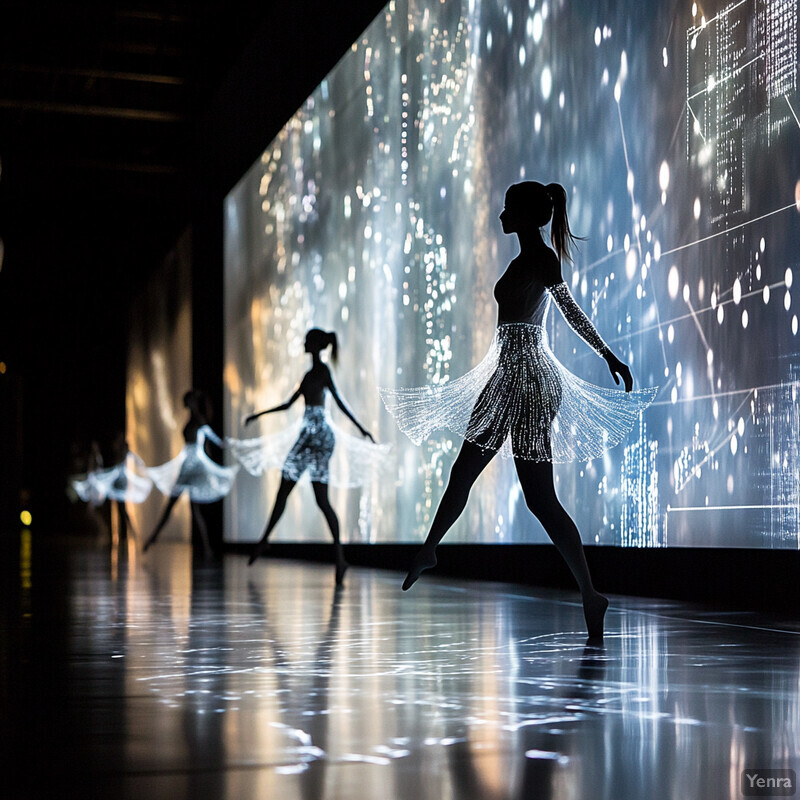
<point>546,83</point>
<point>630,264</point>
<point>787,277</point>
<point>598,37</point>
<point>696,209</point>
<point>538,27</point>
<point>25,518</point>
<point>663,176</point>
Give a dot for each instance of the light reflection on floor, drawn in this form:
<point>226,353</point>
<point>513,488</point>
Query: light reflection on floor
<point>229,681</point>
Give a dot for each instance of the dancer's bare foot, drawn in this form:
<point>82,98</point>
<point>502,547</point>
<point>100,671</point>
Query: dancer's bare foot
<point>594,611</point>
<point>257,551</point>
<point>425,559</point>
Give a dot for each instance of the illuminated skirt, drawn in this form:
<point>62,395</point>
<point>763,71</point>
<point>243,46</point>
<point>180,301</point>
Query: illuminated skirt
<point>521,401</point>
<point>316,446</point>
<point>115,483</point>
<point>193,472</point>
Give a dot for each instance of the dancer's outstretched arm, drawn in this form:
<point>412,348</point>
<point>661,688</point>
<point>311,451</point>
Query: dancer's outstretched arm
<point>209,432</point>
<point>577,320</point>
<point>282,407</point>
<point>345,410</point>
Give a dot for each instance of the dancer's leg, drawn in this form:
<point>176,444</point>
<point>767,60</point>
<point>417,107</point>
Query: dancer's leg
<point>277,510</point>
<point>321,496</point>
<point>471,461</point>
<point>129,527</point>
<point>162,522</point>
<point>202,529</point>
<point>538,487</point>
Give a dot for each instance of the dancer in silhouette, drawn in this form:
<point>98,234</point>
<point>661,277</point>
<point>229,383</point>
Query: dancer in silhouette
<point>313,448</point>
<point>192,471</point>
<point>124,482</point>
<point>520,400</point>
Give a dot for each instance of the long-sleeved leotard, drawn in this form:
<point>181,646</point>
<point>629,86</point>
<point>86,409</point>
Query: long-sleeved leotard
<point>520,400</point>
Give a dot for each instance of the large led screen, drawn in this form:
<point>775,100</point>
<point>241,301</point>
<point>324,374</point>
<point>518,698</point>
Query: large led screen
<point>674,127</point>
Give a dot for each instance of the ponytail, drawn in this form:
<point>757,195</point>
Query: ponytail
<point>330,339</point>
<point>560,234</point>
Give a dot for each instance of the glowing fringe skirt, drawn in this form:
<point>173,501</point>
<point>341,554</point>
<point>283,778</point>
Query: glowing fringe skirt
<point>115,483</point>
<point>521,401</point>
<point>317,446</point>
<point>194,472</point>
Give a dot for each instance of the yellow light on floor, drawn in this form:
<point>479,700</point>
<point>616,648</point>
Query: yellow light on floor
<point>25,517</point>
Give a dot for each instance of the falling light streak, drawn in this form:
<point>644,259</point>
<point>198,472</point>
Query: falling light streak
<point>699,126</point>
<point>724,13</point>
<point>727,78</point>
<point>589,267</point>
<point>724,508</point>
<point>696,321</point>
<point>630,172</point>
<point>730,393</point>
<point>671,509</point>
<point>728,230</point>
<point>786,97</point>
<point>705,310</point>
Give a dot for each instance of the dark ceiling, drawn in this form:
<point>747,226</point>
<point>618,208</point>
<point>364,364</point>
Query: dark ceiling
<point>97,105</point>
<point>104,106</point>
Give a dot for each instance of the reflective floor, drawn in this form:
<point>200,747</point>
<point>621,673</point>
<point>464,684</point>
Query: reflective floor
<point>152,677</point>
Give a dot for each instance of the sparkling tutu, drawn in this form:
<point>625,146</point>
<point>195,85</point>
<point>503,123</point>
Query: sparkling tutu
<point>194,472</point>
<point>316,446</point>
<point>121,483</point>
<point>521,401</point>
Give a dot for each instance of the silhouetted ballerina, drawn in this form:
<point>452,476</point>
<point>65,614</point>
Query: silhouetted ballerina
<point>520,400</point>
<point>127,481</point>
<point>314,441</point>
<point>85,486</point>
<point>192,471</point>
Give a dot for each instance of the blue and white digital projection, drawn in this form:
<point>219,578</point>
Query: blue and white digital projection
<point>374,213</point>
